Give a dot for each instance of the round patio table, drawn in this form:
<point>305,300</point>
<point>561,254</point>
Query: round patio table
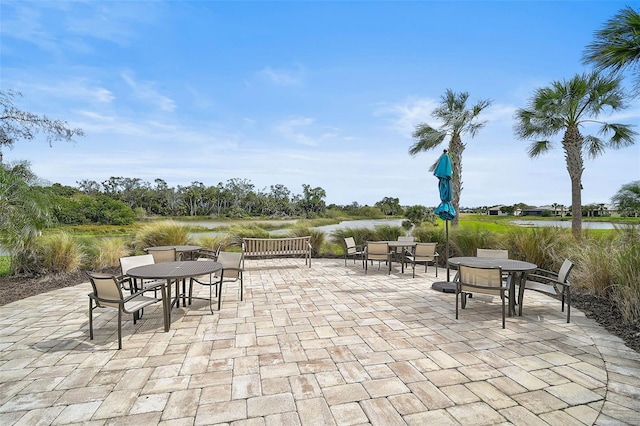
<point>174,271</point>
<point>395,245</point>
<point>517,270</point>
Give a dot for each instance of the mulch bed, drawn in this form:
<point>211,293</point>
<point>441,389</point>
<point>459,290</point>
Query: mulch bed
<point>600,309</point>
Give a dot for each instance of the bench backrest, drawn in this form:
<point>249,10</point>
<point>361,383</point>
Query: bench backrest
<point>276,246</point>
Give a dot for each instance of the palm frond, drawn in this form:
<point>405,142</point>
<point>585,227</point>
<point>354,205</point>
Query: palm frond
<point>623,135</point>
<point>538,147</point>
<point>593,146</point>
<point>427,138</point>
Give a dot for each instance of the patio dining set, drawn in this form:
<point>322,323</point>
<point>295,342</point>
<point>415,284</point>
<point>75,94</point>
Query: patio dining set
<point>157,272</point>
<point>490,272</point>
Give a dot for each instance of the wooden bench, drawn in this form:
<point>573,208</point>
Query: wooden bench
<point>267,247</point>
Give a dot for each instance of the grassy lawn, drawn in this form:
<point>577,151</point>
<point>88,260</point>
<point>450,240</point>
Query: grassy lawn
<point>4,266</point>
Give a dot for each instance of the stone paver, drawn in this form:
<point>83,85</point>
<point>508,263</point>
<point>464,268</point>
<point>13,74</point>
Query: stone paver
<point>321,345</point>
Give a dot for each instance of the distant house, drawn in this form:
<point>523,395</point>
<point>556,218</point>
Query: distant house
<point>546,211</point>
<point>537,211</point>
<point>496,211</point>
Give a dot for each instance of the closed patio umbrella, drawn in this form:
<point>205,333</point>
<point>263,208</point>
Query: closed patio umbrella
<point>445,209</point>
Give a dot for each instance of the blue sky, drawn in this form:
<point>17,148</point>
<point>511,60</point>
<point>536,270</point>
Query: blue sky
<point>319,93</point>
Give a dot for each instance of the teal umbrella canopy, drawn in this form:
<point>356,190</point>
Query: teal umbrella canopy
<point>443,172</point>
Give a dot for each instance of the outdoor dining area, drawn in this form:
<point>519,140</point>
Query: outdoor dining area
<point>158,271</point>
<point>322,345</point>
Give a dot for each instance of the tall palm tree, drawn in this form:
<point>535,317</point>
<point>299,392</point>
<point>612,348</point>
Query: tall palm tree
<point>617,45</point>
<point>456,120</point>
<point>567,106</point>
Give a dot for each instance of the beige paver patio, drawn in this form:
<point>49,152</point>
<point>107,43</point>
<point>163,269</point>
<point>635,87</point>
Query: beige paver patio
<point>311,346</point>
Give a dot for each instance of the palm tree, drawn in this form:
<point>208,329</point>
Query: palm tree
<point>24,211</point>
<point>617,45</point>
<point>456,120</point>
<point>627,199</point>
<point>565,107</point>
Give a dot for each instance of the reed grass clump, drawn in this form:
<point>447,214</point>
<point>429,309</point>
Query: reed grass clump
<point>60,252</point>
<point>108,252</point>
<point>360,236</point>
<point>544,246</point>
<point>317,238</point>
<point>428,233</point>
<point>594,268</point>
<point>250,230</point>
<point>464,241</point>
<point>212,243</point>
<point>388,233</point>
<point>164,233</point>
<point>610,267</point>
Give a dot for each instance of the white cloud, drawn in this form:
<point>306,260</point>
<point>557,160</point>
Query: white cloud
<point>145,91</point>
<point>405,116</point>
<point>282,77</point>
<point>290,129</point>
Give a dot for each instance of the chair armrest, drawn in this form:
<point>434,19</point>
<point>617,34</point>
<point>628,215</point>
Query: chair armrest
<point>544,279</point>
<point>545,273</point>
<point>209,254</point>
<point>102,299</point>
<point>152,287</point>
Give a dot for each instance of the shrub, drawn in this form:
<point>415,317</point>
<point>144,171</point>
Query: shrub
<point>165,233</point>
<point>211,243</point>
<point>360,236</point>
<point>5,265</point>
<point>625,270</point>
<point>60,253</point>
<point>109,250</point>
<point>317,238</point>
<point>544,246</point>
<point>237,232</point>
<point>427,233</point>
<point>388,233</point>
<point>463,241</point>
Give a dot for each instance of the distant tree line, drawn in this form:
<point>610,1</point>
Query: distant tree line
<point>119,200</point>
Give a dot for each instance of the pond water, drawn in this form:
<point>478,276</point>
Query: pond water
<point>567,224</point>
<point>366,223</point>
<point>327,229</point>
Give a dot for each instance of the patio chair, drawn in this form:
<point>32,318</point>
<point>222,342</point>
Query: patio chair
<point>107,293</point>
<point>480,280</point>
<point>406,239</point>
<point>377,250</point>
<point>495,253</point>
<point>552,283</point>
<point>423,253</point>
<point>209,254</point>
<point>130,262</point>
<point>353,250</point>
<point>164,255</point>
<point>231,272</point>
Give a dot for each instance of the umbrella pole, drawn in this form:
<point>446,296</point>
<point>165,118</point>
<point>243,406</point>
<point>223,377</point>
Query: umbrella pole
<point>445,286</point>
<point>447,247</point>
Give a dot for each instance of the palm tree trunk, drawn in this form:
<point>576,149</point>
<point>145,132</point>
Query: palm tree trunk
<point>572,144</point>
<point>455,153</point>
